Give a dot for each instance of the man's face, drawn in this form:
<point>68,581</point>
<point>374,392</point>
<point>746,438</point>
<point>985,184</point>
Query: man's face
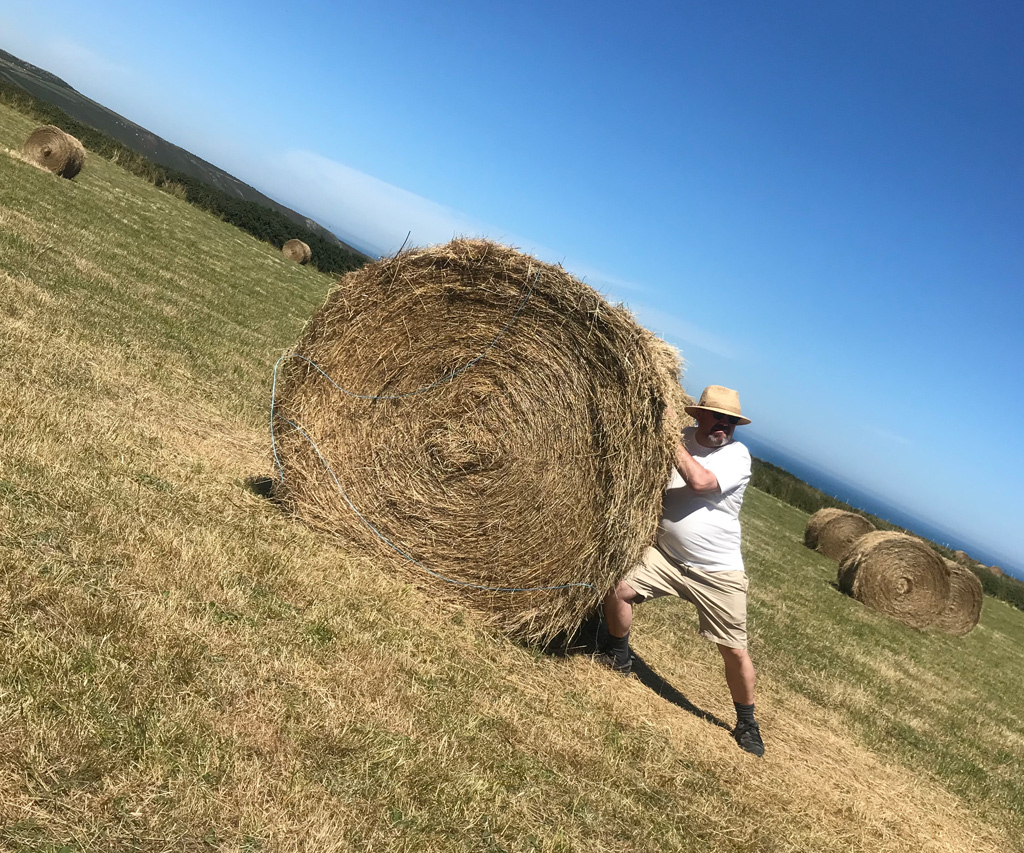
<point>714,429</point>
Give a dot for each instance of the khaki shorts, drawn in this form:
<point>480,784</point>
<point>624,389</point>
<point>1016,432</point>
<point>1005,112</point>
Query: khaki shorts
<point>720,597</point>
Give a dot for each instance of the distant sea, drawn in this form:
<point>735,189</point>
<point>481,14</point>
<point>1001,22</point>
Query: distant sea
<point>857,497</point>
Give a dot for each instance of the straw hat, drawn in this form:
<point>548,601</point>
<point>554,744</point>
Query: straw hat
<point>717,398</point>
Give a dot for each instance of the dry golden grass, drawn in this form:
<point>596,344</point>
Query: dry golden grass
<point>17,155</point>
<point>184,667</point>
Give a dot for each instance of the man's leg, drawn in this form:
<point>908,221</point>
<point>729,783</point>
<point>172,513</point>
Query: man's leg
<point>618,619</point>
<point>618,609</point>
<point>739,675</point>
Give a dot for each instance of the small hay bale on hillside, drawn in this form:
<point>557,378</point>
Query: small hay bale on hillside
<point>817,522</point>
<point>962,558</point>
<point>296,250</point>
<point>510,433</point>
<point>53,149</point>
<point>898,575</point>
<point>963,608</point>
<point>840,532</point>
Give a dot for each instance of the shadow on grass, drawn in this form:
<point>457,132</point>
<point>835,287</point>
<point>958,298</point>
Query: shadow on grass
<point>263,487</point>
<point>584,641</point>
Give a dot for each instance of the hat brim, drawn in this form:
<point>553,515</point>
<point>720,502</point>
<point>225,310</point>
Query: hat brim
<point>692,410</point>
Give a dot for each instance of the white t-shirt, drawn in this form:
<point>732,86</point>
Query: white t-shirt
<point>704,530</point>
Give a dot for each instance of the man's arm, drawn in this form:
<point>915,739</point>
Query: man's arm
<point>697,477</point>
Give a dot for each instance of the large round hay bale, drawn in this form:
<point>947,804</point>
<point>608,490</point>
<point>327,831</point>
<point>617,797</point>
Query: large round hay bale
<point>296,250</point>
<point>963,608</point>
<point>500,436</point>
<point>898,575</point>
<point>817,522</point>
<point>53,149</point>
<point>840,532</point>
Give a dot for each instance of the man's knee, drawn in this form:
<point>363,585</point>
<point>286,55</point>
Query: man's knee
<point>624,592</point>
<point>733,654</point>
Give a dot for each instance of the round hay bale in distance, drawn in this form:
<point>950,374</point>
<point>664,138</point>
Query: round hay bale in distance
<point>839,533</point>
<point>53,149</point>
<point>898,575</point>
<point>963,608</point>
<point>503,438</point>
<point>817,522</point>
<point>296,250</point>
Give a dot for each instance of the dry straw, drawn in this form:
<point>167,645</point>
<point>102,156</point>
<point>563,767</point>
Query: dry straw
<point>898,575</point>
<point>840,532</point>
<point>817,522</point>
<point>510,430</point>
<point>55,150</point>
<point>963,608</point>
<point>296,250</point>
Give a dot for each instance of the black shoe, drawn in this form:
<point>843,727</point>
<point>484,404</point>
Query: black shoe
<point>748,736</point>
<point>609,660</point>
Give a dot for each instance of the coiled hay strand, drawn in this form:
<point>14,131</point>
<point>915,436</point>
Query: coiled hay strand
<point>296,250</point>
<point>963,608</point>
<point>55,150</point>
<point>898,575</point>
<point>840,532</point>
<point>512,434</point>
<point>817,522</point>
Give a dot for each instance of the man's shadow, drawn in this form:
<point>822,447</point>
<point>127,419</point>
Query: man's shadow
<point>585,640</point>
<point>263,487</point>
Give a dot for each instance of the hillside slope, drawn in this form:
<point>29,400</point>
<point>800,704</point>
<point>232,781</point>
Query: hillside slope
<point>184,667</point>
<point>56,91</point>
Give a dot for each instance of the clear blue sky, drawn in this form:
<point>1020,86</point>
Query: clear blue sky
<point>821,204</point>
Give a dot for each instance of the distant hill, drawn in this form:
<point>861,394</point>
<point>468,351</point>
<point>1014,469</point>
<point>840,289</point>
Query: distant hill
<point>52,89</point>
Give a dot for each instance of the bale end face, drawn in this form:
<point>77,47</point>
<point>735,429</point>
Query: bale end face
<point>963,608</point>
<point>56,151</point>
<point>898,575</point>
<point>840,532</point>
<point>504,431</point>
<point>296,250</point>
<point>817,522</point>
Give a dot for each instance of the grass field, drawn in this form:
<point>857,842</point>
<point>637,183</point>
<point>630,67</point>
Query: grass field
<point>183,667</point>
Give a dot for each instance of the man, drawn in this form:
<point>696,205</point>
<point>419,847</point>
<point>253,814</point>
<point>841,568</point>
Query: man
<point>697,553</point>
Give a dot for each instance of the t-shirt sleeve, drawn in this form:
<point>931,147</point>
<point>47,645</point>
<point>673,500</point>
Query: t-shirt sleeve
<point>730,465</point>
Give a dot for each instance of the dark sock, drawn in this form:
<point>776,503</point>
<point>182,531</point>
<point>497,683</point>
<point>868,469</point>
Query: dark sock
<point>744,713</point>
<point>619,648</point>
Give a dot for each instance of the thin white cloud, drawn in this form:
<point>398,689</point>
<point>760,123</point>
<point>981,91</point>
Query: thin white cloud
<point>81,68</point>
<point>378,213</point>
<point>82,64</point>
<point>607,284</point>
<point>891,437</point>
<point>685,334</point>
<point>379,216</point>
